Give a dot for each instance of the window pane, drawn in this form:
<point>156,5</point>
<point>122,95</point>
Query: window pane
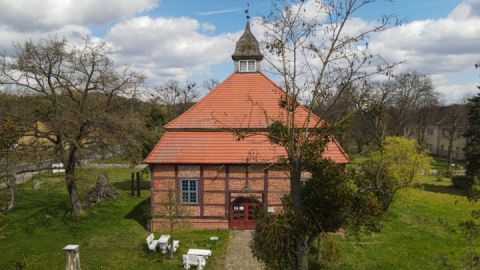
<point>193,185</point>
<point>243,66</point>
<point>184,185</point>
<point>193,197</point>
<point>185,197</point>
<point>251,66</point>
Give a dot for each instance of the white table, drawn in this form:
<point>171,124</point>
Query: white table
<point>200,252</point>
<point>163,243</point>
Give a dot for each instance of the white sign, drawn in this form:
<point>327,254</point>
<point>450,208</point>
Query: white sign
<point>270,209</point>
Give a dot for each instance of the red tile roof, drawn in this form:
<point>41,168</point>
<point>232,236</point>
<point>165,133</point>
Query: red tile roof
<point>244,100</point>
<point>223,148</point>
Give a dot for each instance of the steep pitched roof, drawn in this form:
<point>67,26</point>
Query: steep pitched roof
<point>224,148</point>
<point>244,100</point>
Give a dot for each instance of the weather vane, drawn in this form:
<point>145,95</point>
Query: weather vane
<point>247,12</point>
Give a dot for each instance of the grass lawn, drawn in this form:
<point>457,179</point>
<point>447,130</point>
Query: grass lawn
<point>111,235</point>
<point>420,231</point>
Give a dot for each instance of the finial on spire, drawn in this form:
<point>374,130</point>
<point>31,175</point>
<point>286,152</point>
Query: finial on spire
<point>247,13</point>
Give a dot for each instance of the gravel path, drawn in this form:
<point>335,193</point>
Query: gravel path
<point>239,255</point>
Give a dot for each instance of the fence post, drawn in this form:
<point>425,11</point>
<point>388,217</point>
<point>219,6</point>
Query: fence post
<point>133,184</point>
<point>72,257</point>
<point>138,184</point>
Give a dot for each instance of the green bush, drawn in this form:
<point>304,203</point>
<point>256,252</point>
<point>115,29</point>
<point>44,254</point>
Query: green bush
<point>462,182</point>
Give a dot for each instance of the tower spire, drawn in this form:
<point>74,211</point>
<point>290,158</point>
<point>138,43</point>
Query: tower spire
<point>247,55</point>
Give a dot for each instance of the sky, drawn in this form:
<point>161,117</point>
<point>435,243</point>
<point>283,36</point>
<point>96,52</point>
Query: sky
<point>193,40</point>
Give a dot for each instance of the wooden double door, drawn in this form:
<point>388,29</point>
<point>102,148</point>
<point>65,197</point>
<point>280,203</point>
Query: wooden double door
<point>242,214</point>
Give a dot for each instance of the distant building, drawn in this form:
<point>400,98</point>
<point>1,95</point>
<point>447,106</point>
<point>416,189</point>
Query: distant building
<point>443,125</point>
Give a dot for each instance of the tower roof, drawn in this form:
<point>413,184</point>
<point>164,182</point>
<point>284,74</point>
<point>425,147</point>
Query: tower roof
<point>247,46</point>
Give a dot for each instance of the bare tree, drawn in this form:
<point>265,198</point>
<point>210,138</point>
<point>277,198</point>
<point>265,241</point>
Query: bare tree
<point>79,95</point>
<point>175,97</point>
<point>454,125</point>
<point>412,93</point>
<point>173,211</point>
<point>316,56</point>
<point>210,84</point>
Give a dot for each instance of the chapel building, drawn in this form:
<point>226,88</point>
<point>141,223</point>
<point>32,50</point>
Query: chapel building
<point>217,178</point>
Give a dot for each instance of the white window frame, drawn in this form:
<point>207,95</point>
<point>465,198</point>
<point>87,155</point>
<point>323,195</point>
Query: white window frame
<point>247,68</point>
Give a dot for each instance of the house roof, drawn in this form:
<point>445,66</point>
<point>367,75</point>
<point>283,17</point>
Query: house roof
<point>185,147</point>
<point>244,100</point>
<point>202,134</point>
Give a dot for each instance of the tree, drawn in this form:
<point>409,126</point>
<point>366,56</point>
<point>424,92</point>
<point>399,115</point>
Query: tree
<point>173,211</point>
<point>314,56</point>
<point>79,95</point>
<point>210,84</point>
<point>472,147</point>
<point>395,165</point>
<point>175,97</point>
<point>454,125</point>
<point>9,134</point>
<point>411,92</point>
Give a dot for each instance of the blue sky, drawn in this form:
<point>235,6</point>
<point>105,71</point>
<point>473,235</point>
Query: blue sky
<point>193,40</point>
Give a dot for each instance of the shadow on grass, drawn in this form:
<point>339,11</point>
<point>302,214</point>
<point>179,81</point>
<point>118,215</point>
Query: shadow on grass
<point>141,213</point>
<point>442,189</point>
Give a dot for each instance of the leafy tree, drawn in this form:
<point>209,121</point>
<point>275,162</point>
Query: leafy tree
<point>332,200</point>
<point>315,56</point>
<point>79,95</point>
<point>472,147</point>
<point>395,165</point>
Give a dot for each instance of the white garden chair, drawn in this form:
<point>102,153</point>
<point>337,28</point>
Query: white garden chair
<point>151,242</point>
<point>176,243</point>
<point>193,260</point>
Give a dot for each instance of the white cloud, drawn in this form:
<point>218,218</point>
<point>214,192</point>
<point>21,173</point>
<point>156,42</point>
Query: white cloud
<point>26,15</point>
<point>167,48</point>
<point>72,33</point>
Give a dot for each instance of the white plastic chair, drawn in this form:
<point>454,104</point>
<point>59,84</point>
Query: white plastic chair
<point>193,260</point>
<point>151,242</point>
<point>176,243</point>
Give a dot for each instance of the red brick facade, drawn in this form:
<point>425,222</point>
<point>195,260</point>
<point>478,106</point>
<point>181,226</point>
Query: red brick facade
<point>218,186</point>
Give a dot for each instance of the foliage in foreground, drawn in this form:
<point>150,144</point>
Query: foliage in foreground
<point>332,200</point>
<point>472,148</point>
<point>335,199</point>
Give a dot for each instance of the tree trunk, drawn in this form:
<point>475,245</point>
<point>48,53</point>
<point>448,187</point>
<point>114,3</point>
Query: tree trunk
<point>319,248</point>
<point>302,253</point>
<point>71,186</point>
<point>301,244</point>
<point>449,154</point>
<point>12,190</point>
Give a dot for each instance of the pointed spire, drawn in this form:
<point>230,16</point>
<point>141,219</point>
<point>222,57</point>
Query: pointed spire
<point>247,46</point>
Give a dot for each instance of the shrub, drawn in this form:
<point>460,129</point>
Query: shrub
<point>462,182</point>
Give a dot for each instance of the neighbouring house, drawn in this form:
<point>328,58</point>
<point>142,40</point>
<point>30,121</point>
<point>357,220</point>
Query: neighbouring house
<point>219,179</point>
<point>442,132</point>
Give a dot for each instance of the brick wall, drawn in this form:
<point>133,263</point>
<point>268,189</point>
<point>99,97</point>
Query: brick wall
<point>218,186</point>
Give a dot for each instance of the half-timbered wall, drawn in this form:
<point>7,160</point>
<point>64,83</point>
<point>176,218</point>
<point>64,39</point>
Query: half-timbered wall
<point>218,186</point>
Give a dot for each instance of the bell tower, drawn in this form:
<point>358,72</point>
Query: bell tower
<point>247,55</point>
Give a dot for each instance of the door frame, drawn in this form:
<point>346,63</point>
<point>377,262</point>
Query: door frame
<point>245,206</point>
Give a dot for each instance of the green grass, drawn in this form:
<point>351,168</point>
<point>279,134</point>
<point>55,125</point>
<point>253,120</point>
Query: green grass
<point>111,235</point>
<point>419,231</point>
